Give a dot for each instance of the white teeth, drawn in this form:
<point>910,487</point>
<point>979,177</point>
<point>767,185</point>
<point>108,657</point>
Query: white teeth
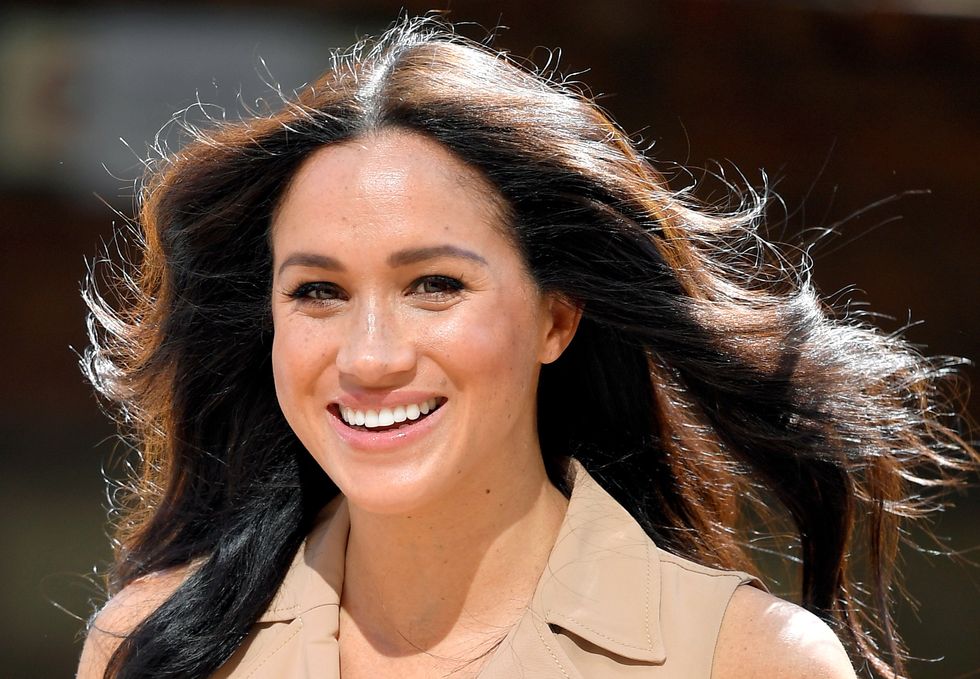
<point>386,417</point>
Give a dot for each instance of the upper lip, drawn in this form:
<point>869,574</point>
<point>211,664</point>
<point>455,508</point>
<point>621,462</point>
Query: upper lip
<point>389,400</point>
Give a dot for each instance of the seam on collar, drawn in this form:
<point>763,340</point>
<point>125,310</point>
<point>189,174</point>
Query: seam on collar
<point>550,650</point>
<point>646,602</point>
<point>287,613</point>
<point>553,615</point>
<point>282,609</point>
<point>599,534</point>
<point>646,648</point>
<point>713,572</point>
<point>278,648</point>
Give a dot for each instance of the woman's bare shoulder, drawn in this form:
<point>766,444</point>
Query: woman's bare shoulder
<point>764,636</point>
<point>121,615</point>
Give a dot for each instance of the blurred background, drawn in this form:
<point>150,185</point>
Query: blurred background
<point>863,114</point>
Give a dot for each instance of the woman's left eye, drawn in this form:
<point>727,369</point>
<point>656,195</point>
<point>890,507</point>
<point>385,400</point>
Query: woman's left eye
<point>437,286</point>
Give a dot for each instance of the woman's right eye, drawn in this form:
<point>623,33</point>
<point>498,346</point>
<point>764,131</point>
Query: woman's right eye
<point>318,292</point>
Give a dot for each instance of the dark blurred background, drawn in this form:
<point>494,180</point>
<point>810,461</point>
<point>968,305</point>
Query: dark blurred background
<point>844,104</point>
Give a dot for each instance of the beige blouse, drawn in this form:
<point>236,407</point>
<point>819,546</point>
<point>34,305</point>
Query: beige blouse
<point>610,604</point>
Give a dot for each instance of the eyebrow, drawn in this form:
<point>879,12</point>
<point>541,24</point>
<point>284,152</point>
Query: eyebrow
<point>395,259</point>
<point>311,260</point>
<point>416,255</point>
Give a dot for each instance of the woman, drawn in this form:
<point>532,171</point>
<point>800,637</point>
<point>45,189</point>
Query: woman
<point>432,375</point>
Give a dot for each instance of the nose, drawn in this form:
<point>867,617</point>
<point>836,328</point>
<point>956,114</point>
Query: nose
<point>376,350</point>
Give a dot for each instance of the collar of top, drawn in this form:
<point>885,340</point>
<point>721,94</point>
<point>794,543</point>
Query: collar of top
<point>602,581</point>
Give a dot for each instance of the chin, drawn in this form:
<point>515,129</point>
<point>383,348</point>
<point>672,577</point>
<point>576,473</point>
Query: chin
<point>393,490</point>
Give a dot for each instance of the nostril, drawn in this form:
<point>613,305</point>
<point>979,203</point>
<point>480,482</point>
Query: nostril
<point>376,371</point>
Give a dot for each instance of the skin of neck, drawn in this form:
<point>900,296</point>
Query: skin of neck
<point>449,579</point>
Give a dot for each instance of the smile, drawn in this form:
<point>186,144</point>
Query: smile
<point>384,419</point>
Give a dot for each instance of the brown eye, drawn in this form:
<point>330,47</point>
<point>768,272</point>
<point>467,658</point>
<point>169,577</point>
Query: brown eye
<point>437,285</point>
<point>317,292</point>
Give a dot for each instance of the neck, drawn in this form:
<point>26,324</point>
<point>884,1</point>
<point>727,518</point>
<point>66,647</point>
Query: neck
<point>448,579</point>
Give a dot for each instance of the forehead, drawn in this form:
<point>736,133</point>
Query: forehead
<point>390,176</point>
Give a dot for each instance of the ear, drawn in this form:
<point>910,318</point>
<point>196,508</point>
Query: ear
<point>561,318</point>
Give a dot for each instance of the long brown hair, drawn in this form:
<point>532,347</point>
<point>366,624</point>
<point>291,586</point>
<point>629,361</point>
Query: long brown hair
<point>716,382</point>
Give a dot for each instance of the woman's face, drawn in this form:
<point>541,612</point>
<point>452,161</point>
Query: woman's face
<point>408,332</point>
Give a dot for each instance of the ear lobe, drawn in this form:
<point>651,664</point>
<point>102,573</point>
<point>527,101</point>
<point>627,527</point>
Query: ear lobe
<point>563,318</point>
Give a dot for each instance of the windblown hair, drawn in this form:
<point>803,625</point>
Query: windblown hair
<point>718,384</point>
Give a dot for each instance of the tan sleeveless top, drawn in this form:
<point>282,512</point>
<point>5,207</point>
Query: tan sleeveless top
<point>609,605</point>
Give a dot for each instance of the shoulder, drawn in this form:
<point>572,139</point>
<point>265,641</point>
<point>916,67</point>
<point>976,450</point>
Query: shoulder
<point>764,636</point>
<point>121,615</point>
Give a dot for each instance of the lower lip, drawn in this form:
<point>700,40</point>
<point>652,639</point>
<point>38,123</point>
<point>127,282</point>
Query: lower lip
<point>365,439</point>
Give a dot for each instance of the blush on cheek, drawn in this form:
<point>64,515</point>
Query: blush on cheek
<point>281,383</point>
<point>489,345</point>
<point>284,376</point>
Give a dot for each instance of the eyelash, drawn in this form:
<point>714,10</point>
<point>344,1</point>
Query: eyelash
<point>450,285</point>
<point>305,291</point>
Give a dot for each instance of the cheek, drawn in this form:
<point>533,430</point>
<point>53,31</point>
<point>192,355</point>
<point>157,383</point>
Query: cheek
<point>296,364</point>
<point>282,375</point>
<point>495,348</point>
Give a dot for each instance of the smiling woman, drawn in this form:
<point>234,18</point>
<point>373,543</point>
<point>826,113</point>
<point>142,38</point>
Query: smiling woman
<point>432,375</point>
<point>427,308</point>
